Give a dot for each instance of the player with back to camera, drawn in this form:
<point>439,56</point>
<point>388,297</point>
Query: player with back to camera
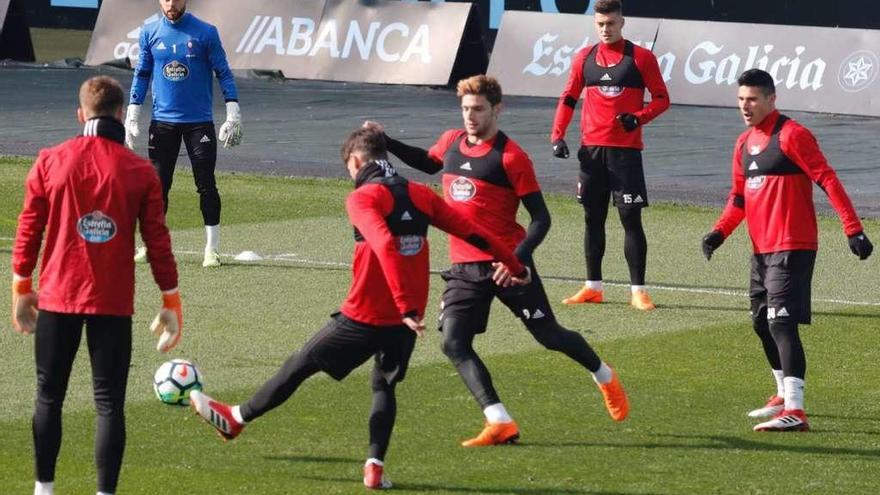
<point>84,198</point>
<point>775,162</point>
<point>180,53</point>
<point>386,301</point>
<point>485,177</point>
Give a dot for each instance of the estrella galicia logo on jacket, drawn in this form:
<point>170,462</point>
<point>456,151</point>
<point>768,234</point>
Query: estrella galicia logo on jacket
<point>96,227</point>
<point>611,91</point>
<point>175,71</point>
<point>755,182</point>
<point>410,245</point>
<point>462,189</point>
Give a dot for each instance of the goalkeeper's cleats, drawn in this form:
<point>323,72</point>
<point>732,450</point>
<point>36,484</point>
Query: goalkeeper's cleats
<point>494,434</point>
<point>140,256</point>
<point>787,420</point>
<point>217,414</point>
<point>374,477</point>
<point>641,300</point>
<point>585,295</point>
<point>212,259</point>
<point>774,406</point>
<point>615,397</point>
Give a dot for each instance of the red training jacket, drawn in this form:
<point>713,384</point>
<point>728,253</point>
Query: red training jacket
<point>390,279</point>
<point>602,104</point>
<point>86,195</point>
<point>778,207</point>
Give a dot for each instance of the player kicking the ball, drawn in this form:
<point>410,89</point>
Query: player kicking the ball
<point>386,302</point>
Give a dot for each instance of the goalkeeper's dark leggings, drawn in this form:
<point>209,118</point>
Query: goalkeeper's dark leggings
<point>56,342</point>
<point>298,367</point>
<point>635,244</point>
<point>201,146</point>
<point>458,339</point>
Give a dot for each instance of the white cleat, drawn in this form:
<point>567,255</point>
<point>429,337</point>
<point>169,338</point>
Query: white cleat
<point>212,259</point>
<point>140,255</point>
<point>774,406</point>
<point>787,420</point>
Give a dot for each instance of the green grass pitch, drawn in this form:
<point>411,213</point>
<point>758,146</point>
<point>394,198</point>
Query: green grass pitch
<point>692,368</point>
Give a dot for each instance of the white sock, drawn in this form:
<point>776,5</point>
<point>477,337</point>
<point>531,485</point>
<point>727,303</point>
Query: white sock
<point>497,414</point>
<point>236,414</point>
<point>603,375</point>
<point>373,460</point>
<point>44,488</point>
<point>794,393</point>
<point>637,288</point>
<point>212,234</point>
<point>780,385</point>
<point>594,284</point>
<point>104,493</point>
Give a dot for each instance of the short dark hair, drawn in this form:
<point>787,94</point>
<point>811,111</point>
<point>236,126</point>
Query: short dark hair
<point>365,140</point>
<point>101,96</point>
<point>758,78</point>
<point>608,7</point>
<point>480,85</point>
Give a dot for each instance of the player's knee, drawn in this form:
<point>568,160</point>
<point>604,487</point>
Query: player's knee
<point>380,384</point>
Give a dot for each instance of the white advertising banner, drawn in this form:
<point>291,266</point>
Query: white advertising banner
<point>816,69</point>
<point>341,40</point>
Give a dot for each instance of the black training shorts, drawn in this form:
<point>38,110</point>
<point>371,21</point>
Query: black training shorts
<point>611,171</point>
<point>780,283</point>
<point>344,344</point>
<point>470,290</point>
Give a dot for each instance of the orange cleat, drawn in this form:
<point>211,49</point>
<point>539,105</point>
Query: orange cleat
<point>585,295</point>
<point>774,406</point>
<point>494,434</point>
<point>615,398</point>
<point>216,414</point>
<point>641,300</point>
<point>787,420</point>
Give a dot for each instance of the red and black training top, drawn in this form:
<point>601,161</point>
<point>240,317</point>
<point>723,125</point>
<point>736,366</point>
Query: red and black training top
<point>391,262</point>
<point>615,77</point>
<point>774,166</point>
<point>484,183</point>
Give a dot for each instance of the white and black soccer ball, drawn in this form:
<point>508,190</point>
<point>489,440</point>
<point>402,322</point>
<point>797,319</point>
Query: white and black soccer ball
<point>174,381</point>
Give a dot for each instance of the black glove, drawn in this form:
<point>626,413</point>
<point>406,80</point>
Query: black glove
<point>560,149</point>
<point>628,121</point>
<point>712,241</point>
<point>860,245</point>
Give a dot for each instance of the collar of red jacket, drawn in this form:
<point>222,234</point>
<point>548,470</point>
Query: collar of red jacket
<point>105,127</point>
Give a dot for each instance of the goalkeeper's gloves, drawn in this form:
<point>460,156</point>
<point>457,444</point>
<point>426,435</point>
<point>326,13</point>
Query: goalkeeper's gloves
<point>230,131</point>
<point>24,305</point>
<point>168,324</point>
<point>860,245</point>
<point>131,124</point>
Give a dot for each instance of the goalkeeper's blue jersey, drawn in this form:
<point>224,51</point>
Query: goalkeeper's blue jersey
<point>181,58</point>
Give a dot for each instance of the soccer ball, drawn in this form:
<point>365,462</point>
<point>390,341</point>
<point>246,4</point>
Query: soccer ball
<point>174,380</point>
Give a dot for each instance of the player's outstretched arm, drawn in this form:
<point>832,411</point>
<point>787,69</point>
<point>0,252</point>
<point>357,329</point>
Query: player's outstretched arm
<point>413,156</point>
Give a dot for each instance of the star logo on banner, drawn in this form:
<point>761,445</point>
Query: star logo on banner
<point>858,71</point>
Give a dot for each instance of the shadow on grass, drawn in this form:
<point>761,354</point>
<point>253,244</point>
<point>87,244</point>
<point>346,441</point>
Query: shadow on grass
<point>313,459</point>
<point>719,442</point>
<point>446,488</point>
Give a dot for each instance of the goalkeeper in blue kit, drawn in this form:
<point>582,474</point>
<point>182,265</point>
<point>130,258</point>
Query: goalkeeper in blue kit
<point>180,54</point>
